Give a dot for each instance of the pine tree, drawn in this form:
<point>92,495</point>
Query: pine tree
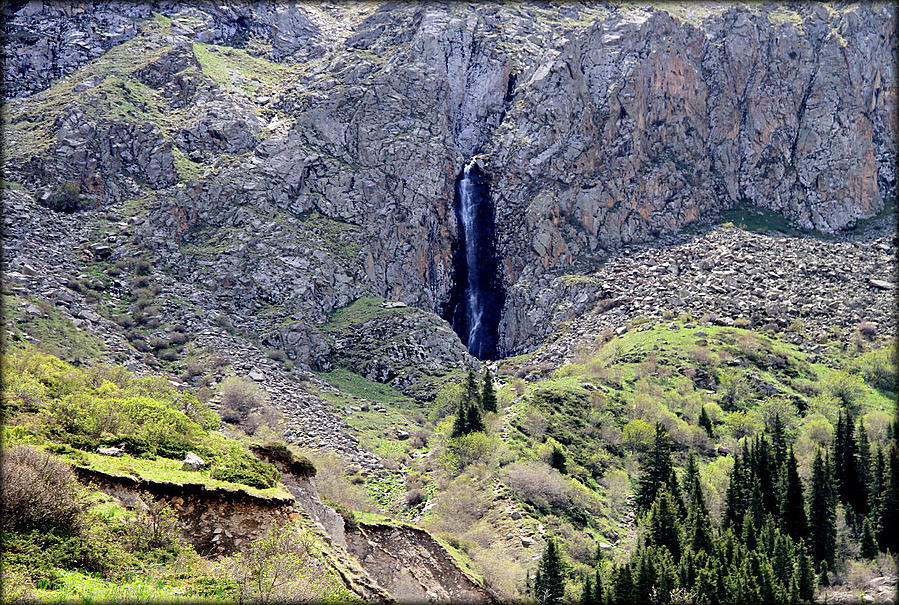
<point>587,597</point>
<point>706,422</point>
<point>792,505</point>
<point>888,524</point>
<point>488,393</point>
<point>656,469</point>
<point>822,511</point>
<point>868,545</point>
<point>460,424</point>
<point>474,421</point>
<point>664,528</point>
<point>807,580</point>
<point>557,460</point>
<point>470,392</point>
<point>549,586</point>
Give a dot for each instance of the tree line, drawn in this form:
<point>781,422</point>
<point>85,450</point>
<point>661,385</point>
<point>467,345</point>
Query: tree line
<point>776,542</point>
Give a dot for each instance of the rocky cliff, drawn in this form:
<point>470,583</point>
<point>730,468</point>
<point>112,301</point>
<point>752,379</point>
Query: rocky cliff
<point>290,158</point>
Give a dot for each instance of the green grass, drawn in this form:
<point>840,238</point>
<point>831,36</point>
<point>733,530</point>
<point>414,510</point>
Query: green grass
<point>359,312</point>
<point>356,384</point>
<point>54,332</point>
<point>163,470</point>
<point>233,66</point>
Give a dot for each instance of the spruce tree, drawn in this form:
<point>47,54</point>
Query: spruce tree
<point>474,421</point>
<point>488,393</point>
<point>664,527</point>
<point>865,468</point>
<point>705,422</point>
<point>699,524</point>
<point>888,524</point>
<point>807,580</point>
<point>850,490</point>
<point>737,496</point>
<point>557,460</point>
<point>822,511</point>
<point>587,597</point>
<point>868,545</point>
<point>656,469</point>
<point>598,589</point>
<point>460,424</point>
<point>470,392</point>
<point>779,442</point>
<point>549,586</point>
<point>792,505</point>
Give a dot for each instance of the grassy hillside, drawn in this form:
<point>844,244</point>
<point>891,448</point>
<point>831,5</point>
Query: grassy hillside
<point>62,540</point>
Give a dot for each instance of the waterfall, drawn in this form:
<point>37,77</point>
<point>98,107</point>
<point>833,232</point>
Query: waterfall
<point>477,298</point>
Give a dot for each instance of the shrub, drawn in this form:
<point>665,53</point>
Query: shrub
<point>539,485</point>
<point>414,497</point>
<point>154,526</point>
<point>868,329</point>
<point>239,467</point>
<point>277,355</point>
<point>65,198</point>
<point>39,492</point>
<point>460,452</point>
<point>279,452</point>
<point>142,267</point>
<point>278,568</point>
<point>241,394</point>
<point>878,368</point>
<point>167,354</point>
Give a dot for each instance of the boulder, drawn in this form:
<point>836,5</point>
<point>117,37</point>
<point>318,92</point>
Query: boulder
<point>192,462</point>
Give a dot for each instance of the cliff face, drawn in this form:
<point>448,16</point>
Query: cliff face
<point>296,157</point>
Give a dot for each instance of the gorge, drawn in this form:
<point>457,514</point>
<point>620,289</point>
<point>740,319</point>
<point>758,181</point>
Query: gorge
<point>478,273</point>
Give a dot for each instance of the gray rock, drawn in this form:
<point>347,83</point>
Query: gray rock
<point>192,462</point>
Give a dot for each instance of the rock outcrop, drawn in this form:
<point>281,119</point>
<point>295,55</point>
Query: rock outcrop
<point>598,126</point>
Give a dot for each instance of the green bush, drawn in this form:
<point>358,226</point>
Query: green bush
<point>238,466</point>
<point>65,198</point>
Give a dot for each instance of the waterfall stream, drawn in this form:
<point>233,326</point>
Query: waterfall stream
<point>477,298</point>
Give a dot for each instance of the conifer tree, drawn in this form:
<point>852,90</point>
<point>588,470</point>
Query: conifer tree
<point>705,422</point>
<point>470,392</point>
<point>557,460</point>
<point>664,528</point>
<point>737,497</point>
<point>888,524</point>
<point>845,462</point>
<point>865,468</point>
<point>868,545</point>
<point>806,579</point>
<point>549,586</point>
<point>700,537</point>
<point>656,469</point>
<point>822,511</point>
<point>779,442</point>
<point>488,393</point>
<point>587,594</point>
<point>474,422</point>
<point>792,505</point>
<point>598,589</point>
<point>460,424</point>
